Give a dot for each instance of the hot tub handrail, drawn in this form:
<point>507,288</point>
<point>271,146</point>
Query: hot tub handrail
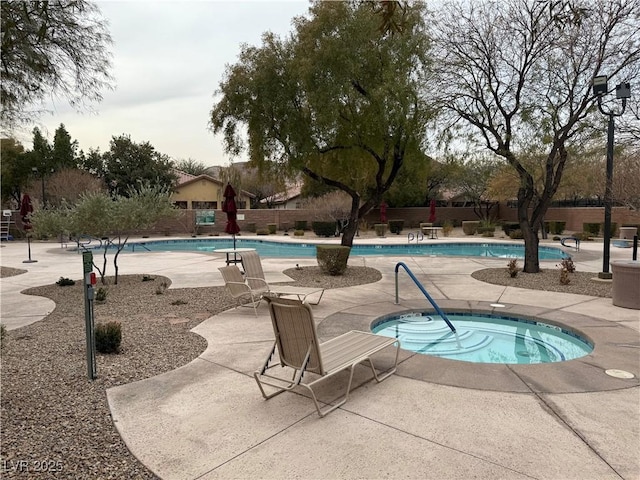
<point>424,291</point>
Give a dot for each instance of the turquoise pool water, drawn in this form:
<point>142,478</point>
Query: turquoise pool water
<point>484,338</point>
<point>269,248</point>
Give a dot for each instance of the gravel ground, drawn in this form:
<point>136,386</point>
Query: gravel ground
<point>56,423</point>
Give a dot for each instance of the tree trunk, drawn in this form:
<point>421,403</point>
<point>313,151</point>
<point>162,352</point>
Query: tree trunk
<point>352,227</point>
<point>531,241</point>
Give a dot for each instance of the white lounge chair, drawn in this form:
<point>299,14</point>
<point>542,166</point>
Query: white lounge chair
<point>244,294</point>
<point>299,349</point>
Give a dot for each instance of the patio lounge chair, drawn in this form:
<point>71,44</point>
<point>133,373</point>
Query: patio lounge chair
<point>254,275</point>
<point>299,348</point>
<point>243,293</point>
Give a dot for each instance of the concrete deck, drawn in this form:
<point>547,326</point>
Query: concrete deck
<point>435,418</point>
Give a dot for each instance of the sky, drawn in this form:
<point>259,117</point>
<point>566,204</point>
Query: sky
<point>168,60</point>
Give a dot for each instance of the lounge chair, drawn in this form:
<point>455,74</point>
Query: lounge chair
<point>254,275</point>
<point>243,293</point>
<point>299,349</point>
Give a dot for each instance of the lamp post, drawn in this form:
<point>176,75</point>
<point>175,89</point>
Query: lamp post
<point>623,91</point>
<point>35,171</point>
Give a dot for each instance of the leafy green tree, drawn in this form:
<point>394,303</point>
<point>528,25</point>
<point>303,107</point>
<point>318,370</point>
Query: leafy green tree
<point>517,76</point>
<point>64,152</point>
<point>16,171</point>
<point>473,180</point>
<point>55,48</point>
<point>110,218</point>
<point>128,163</point>
<point>339,101</point>
<point>92,162</point>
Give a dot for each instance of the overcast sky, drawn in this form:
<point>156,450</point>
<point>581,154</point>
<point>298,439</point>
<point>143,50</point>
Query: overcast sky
<point>168,60</point>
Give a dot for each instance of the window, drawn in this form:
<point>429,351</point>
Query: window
<point>181,205</point>
<point>204,205</point>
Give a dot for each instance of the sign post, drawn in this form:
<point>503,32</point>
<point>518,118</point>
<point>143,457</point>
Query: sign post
<point>89,280</point>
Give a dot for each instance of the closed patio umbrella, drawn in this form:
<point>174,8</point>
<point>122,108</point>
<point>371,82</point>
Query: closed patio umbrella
<point>25,209</point>
<point>230,208</point>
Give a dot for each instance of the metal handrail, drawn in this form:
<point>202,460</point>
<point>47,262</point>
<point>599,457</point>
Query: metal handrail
<point>424,291</point>
<point>418,237</point>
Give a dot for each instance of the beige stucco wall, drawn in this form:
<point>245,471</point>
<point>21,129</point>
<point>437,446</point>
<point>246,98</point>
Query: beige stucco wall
<point>204,190</point>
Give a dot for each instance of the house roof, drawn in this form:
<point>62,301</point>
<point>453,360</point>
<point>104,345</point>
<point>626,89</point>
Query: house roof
<point>185,178</point>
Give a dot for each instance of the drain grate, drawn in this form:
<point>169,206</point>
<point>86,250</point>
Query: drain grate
<point>619,373</point>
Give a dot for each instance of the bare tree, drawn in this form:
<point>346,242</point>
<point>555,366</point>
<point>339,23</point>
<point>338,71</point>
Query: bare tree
<point>57,48</point>
<point>519,74</point>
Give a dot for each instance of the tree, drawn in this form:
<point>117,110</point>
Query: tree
<point>63,154</point>
<point>191,166</point>
<point>128,163</point>
<point>16,171</point>
<point>473,180</point>
<point>57,48</point>
<point>110,218</point>
<point>69,184</point>
<point>338,101</point>
<point>519,74</point>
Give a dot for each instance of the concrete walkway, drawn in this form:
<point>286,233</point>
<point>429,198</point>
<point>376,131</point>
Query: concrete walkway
<point>435,419</point>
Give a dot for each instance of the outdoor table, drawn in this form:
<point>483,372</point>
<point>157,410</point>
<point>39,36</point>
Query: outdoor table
<point>301,292</point>
<point>234,252</point>
<point>431,231</point>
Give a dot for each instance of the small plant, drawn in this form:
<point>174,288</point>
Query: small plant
<point>332,259</point>
<point>396,226</point>
<point>298,233</point>
<point>380,229</point>
<point>179,302</point>
<point>101,295</point>
<point>108,337</point>
<point>447,228</point>
<point>262,231</point>
<point>324,229</point>
<point>516,234</point>
<point>568,265</point>
<point>147,278</point>
<point>564,276</point>
<point>272,227</point>
<point>64,282</point>
<point>470,227</point>
<point>161,288</point>
<point>513,268</point>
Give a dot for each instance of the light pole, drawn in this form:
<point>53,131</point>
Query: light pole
<point>623,91</point>
<point>35,171</point>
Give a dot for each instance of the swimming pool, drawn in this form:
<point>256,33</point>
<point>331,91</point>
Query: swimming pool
<point>269,248</point>
<point>484,338</point>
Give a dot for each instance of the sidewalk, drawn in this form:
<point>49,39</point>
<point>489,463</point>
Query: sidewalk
<point>434,419</point>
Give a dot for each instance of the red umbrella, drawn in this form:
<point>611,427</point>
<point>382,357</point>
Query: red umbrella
<point>432,211</point>
<point>25,209</point>
<point>383,212</point>
<point>230,208</point>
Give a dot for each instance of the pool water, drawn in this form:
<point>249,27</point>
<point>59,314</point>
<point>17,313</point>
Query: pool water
<point>484,338</point>
<point>266,248</point>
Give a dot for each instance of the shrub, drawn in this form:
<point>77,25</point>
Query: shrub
<point>64,282</point>
<point>508,227</point>
<point>147,278</point>
<point>556,228</point>
<point>380,228</point>
<point>101,294</point>
<point>272,227</point>
<point>470,227</point>
<point>262,231</point>
<point>593,229</point>
<point>447,228</point>
<point>568,265</point>
<point>251,227</point>
<point>324,229</point>
<point>396,226</point>
<point>564,276</point>
<point>332,259</point>
<point>300,225</point>
<point>486,227</point>
<point>512,267</point>
<point>516,234</point>
<point>108,337</point>
<point>298,233</point>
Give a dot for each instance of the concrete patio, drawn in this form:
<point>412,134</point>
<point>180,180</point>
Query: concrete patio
<point>435,418</point>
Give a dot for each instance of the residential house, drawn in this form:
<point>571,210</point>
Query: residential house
<point>203,192</point>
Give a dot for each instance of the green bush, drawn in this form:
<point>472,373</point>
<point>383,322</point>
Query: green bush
<point>108,337</point>
<point>396,226</point>
<point>251,227</point>
<point>470,227</point>
<point>262,231</point>
<point>101,294</point>
<point>324,229</point>
<point>508,227</point>
<point>516,234</point>
<point>554,227</point>
<point>380,228</point>
<point>300,225</point>
<point>332,259</point>
<point>591,228</point>
<point>272,227</point>
<point>447,228</point>
<point>486,229</point>
<point>298,233</point>
<point>64,282</point>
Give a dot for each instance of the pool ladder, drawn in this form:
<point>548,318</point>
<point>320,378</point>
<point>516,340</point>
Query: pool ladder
<point>424,291</point>
<point>417,236</point>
